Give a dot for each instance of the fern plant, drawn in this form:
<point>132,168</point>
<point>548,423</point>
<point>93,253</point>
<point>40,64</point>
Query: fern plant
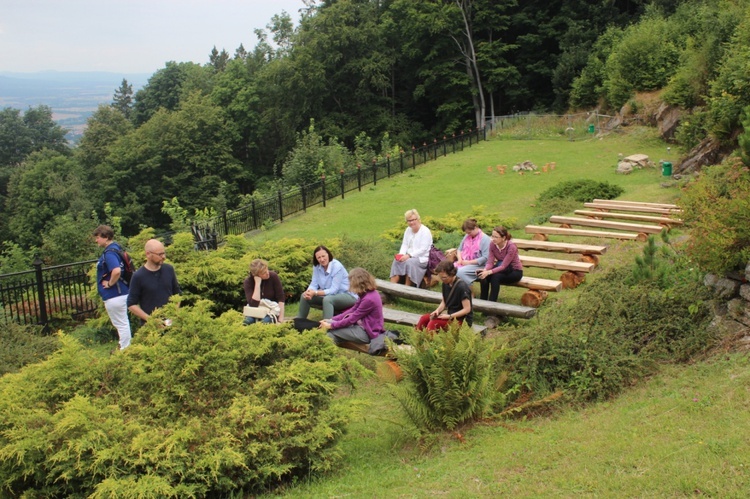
<point>450,379</point>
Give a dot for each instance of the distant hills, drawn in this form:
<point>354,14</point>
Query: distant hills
<point>73,96</point>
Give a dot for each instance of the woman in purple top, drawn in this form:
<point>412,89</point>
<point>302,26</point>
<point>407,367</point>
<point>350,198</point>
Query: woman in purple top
<point>503,266</point>
<point>364,321</point>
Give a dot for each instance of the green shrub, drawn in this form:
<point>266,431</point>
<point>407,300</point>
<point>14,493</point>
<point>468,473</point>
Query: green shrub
<point>612,335</point>
<point>450,378</point>
<point>22,345</point>
<point>375,255</point>
<point>717,210</point>
<point>691,130</point>
<point>582,191</point>
<point>205,408</point>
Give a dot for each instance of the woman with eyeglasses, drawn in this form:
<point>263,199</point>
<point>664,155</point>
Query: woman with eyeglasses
<point>455,304</point>
<point>503,266</point>
<point>410,264</point>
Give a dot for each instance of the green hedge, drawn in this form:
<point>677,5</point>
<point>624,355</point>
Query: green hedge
<point>203,408</point>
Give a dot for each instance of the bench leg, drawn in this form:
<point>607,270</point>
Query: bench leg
<point>390,371</point>
<point>590,259</point>
<point>571,280</point>
<point>533,298</point>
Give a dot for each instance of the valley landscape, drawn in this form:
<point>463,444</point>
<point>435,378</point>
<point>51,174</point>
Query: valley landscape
<point>73,96</point>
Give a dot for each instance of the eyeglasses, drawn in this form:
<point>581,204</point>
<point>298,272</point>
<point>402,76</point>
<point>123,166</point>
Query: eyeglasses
<point>410,220</point>
<point>163,253</point>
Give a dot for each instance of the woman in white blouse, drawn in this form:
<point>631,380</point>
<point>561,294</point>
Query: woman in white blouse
<point>411,261</point>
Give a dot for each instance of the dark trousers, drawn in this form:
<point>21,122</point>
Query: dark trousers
<point>489,288</point>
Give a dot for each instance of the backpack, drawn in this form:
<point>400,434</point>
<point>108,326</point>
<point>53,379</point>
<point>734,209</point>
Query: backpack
<point>127,264</point>
<point>436,256</point>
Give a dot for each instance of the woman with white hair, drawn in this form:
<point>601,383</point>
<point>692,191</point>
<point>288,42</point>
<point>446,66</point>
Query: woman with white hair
<point>410,263</point>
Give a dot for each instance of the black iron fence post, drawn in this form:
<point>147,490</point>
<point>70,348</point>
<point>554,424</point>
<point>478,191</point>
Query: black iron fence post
<point>304,198</point>
<point>226,222</point>
<point>323,188</point>
<point>374,171</point>
<point>401,159</point>
<point>454,142</point>
<point>435,148</point>
<point>413,157</point>
<point>424,152</point>
<point>359,177</point>
<point>255,214</point>
<point>388,164</point>
<point>41,299</point>
<point>341,182</point>
<point>281,207</point>
<point>445,143</point>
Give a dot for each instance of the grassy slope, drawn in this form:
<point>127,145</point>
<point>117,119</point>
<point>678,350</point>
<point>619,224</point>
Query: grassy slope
<point>457,182</point>
<point>668,437</point>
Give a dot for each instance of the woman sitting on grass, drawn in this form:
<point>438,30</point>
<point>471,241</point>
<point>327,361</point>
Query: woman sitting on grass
<point>503,266</point>
<point>364,321</point>
<point>456,302</point>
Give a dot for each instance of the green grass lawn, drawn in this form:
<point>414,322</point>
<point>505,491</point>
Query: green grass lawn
<point>681,434</point>
<point>458,182</point>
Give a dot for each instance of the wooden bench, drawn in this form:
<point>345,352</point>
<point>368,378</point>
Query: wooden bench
<point>542,232</point>
<point>663,221</point>
<point>411,319</point>
<point>634,208</point>
<point>638,203</point>
<point>484,306</point>
<point>574,271</point>
<point>589,252</point>
<point>606,224</point>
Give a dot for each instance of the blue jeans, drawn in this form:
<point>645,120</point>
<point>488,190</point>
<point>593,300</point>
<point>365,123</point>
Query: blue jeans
<point>252,320</point>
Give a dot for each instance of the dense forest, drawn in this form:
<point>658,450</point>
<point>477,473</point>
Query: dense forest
<point>349,81</point>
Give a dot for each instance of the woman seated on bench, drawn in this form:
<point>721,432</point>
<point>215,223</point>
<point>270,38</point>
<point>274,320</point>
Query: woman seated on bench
<point>456,302</point>
<point>364,321</point>
<point>473,251</point>
<point>329,287</point>
<point>411,261</point>
<point>503,266</point>
<point>263,283</point>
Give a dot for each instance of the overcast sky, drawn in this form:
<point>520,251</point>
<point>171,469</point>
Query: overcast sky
<point>127,36</point>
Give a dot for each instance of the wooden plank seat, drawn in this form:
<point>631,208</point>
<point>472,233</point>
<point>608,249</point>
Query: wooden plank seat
<point>589,252</point>
<point>541,233</point>
<point>411,319</point>
<point>663,221</point>
<point>574,271</point>
<point>638,203</point>
<point>633,208</point>
<point>606,224</point>
<point>483,306</point>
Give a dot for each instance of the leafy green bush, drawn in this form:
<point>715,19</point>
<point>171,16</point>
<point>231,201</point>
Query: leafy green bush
<point>717,209</point>
<point>21,345</point>
<point>691,130</point>
<point>204,408</point>
<point>582,191</point>
<point>643,60</point>
<point>375,255</point>
<point>611,335</point>
<point>450,378</point>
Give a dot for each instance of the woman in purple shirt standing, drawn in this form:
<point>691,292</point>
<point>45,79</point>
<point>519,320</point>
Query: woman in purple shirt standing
<point>503,265</point>
<point>364,321</point>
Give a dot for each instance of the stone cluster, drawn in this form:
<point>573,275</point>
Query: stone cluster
<point>732,292</point>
